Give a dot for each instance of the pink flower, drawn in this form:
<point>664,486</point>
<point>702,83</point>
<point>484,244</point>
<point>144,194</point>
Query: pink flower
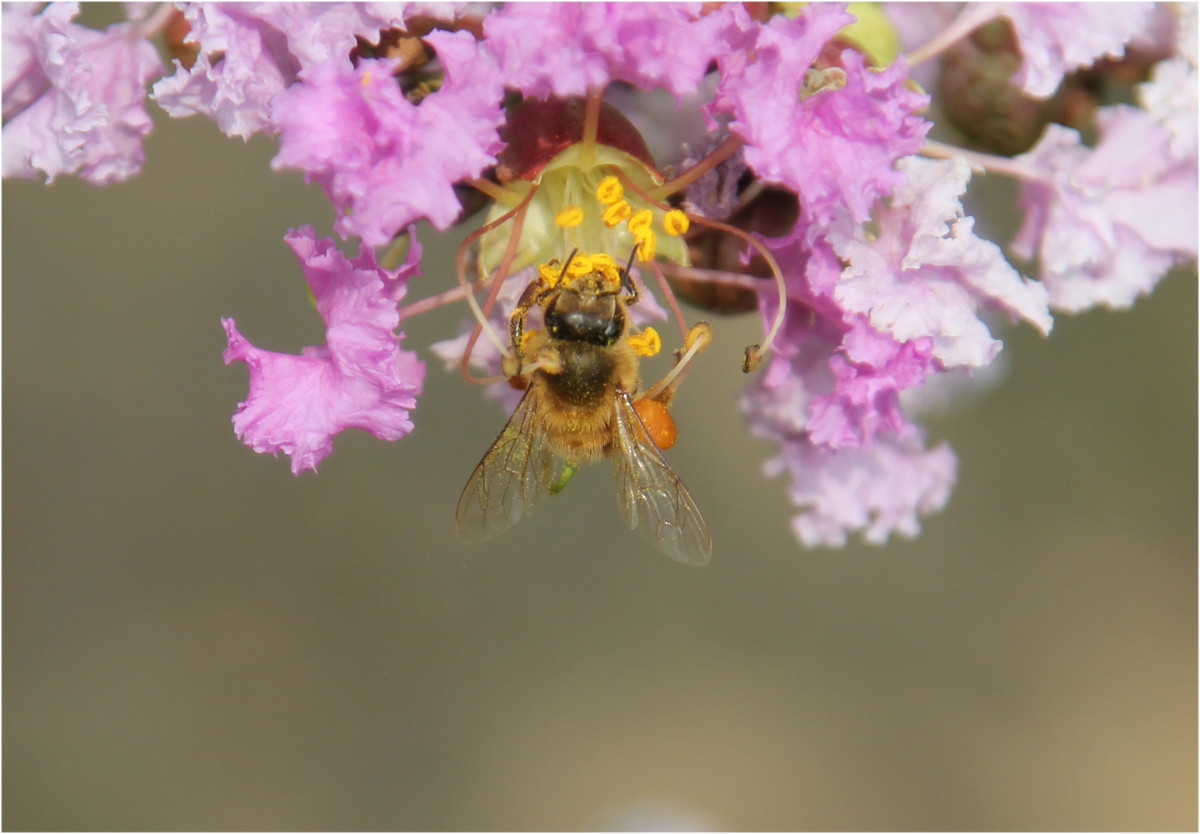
<point>566,49</point>
<point>74,98</point>
<point>1057,38</point>
<point>834,147</point>
<point>1106,223</point>
<point>890,292</point>
<point>1170,97</point>
<point>383,161</point>
<point>879,488</point>
<point>873,316</point>
<point>359,379</point>
<point>877,492</point>
<point>925,275</point>
<point>249,53</point>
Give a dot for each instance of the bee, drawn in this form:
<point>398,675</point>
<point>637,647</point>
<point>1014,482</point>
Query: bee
<point>581,377</point>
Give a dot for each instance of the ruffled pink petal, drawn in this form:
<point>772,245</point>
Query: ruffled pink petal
<point>835,148</point>
<point>359,379</point>
<point>74,98</point>
<point>383,161</point>
<point>566,49</point>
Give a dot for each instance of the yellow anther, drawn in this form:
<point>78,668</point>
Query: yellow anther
<point>366,79</point>
<point>640,220</point>
<point>617,212</point>
<point>569,216</point>
<point>675,222</point>
<point>580,265</point>
<point>549,273</point>
<point>603,260</point>
<point>646,343</point>
<point>606,267</point>
<point>647,245</point>
<point>609,190</point>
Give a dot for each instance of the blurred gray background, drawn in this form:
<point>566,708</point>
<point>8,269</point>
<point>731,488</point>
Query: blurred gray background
<point>194,638</point>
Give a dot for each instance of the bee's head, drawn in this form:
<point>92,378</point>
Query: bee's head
<point>582,316</point>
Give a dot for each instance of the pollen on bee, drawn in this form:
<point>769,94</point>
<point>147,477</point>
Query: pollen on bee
<point>549,273</point>
<point>659,423</point>
<point>579,266</point>
<point>604,264</point>
<point>646,343</point>
<point>603,260</point>
<point>675,222</point>
<point>568,217</point>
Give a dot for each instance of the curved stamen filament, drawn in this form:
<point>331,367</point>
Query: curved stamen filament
<point>732,144</point>
<point>493,190</point>
<point>460,270</point>
<point>434,301</point>
<point>984,163</point>
<point>716,276</point>
<point>669,295</point>
<point>754,353</point>
<point>697,340</point>
<point>968,20</point>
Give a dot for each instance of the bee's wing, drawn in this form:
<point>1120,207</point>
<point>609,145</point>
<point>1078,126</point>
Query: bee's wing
<point>652,498</point>
<point>511,479</point>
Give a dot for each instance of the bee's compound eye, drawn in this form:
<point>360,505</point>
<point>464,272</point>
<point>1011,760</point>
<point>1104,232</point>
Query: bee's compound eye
<point>659,423</point>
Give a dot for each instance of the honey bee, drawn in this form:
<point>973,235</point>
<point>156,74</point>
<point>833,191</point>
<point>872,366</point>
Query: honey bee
<point>581,377</point>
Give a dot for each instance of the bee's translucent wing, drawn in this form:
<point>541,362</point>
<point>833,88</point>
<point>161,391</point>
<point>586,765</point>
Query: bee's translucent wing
<point>652,498</point>
<point>511,479</point>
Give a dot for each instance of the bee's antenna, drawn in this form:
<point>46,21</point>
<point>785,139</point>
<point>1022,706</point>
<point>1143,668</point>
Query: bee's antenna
<point>626,279</point>
<point>567,263</point>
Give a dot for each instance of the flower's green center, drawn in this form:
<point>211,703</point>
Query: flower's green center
<point>584,206</point>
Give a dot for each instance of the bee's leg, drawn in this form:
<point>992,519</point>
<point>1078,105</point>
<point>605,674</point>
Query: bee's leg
<point>516,323</point>
<point>697,340</point>
<point>569,469</point>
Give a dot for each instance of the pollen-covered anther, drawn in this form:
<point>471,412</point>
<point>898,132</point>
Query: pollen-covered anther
<point>579,266</point>
<point>549,273</point>
<point>647,244</point>
<point>609,190</point>
<point>640,221</point>
<point>617,212</point>
<point>604,261</point>
<point>569,217</point>
<point>608,268</point>
<point>646,343</point>
<point>675,223</point>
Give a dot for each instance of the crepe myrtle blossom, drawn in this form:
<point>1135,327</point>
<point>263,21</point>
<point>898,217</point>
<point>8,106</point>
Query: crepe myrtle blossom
<point>74,98</point>
<point>796,171</point>
<point>360,378</point>
<point>372,149</point>
<point>248,53</point>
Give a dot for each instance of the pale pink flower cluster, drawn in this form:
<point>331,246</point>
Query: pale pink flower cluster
<point>889,286</point>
